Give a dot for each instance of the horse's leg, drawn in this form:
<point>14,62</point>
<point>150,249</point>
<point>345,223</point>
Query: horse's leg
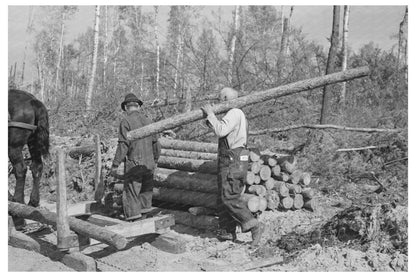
<point>36,168</point>
<point>19,170</point>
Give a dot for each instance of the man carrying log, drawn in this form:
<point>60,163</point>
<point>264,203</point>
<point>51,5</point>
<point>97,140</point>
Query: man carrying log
<point>232,131</point>
<point>140,158</point>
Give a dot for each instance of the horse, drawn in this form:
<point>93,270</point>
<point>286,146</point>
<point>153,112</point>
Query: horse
<point>28,124</point>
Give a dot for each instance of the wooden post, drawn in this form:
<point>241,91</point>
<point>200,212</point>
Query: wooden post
<point>66,240</point>
<point>99,186</point>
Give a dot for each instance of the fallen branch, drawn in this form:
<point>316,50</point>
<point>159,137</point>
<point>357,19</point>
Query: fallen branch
<point>395,161</point>
<point>361,148</point>
<point>326,126</point>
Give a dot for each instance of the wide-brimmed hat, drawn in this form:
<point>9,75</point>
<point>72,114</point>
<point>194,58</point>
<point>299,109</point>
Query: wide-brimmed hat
<point>130,98</point>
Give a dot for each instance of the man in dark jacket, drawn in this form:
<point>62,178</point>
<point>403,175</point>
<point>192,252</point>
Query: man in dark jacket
<point>140,158</point>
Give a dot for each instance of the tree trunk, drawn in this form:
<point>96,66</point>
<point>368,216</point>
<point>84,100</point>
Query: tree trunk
<point>188,100</point>
<point>188,181</point>
<point>188,145</point>
<point>94,60</point>
<point>253,98</point>
<point>79,226</point>
<point>60,51</point>
<point>330,66</point>
<point>345,50</point>
<point>157,51</point>
<point>28,30</point>
<point>177,63</point>
<point>186,197</point>
<point>105,48</point>
<point>201,166</point>
<point>188,154</point>
<point>232,46</point>
<point>402,42</point>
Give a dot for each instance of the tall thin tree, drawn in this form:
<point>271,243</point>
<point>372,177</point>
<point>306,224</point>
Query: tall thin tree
<point>60,50</point>
<point>157,50</point>
<point>88,97</point>
<point>402,48</point>
<point>330,65</point>
<point>232,45</point>
<point>345,50</point>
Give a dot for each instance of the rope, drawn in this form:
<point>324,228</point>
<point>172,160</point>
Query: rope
<point>22,125</point>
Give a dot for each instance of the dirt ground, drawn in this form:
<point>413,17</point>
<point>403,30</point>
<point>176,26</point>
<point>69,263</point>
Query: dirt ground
<point>292,239</point>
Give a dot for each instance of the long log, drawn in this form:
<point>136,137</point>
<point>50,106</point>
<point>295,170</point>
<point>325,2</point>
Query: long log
<point>185,197</point>
<point>194,181</point>
<point>253,98</point>
<point>188,145</point>
<point>77,225</point>
<point>188,154</point>
<point>323,126</point>
<point>84,151</point>
<point>202,166</point>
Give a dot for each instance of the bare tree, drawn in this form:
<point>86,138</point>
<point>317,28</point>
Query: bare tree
<point>61,45</point>
<point>28,30</point>
<point>345,49</point>
<point>94,59</point>
<point>105,47</point>
<point>232,45</point>
<point>330,65</point>
<point>402,49</point>
<point>157,51</point>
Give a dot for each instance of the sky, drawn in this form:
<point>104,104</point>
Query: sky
<point>367,23</point>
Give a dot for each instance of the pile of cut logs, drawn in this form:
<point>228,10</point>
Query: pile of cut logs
<point>275,183</point>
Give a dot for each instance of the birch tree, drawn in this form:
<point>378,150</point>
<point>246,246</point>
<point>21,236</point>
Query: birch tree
<point>330,65</point>
<point>157,51</point>
<point>402,48</point>
<point>232,46</point>
<point>88,97</point>
<point>345,49</point>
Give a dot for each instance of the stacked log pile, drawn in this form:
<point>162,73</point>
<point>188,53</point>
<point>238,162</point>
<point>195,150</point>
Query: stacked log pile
<point>275,183</point>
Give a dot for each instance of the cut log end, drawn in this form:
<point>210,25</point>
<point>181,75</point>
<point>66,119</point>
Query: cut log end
<point>311,205</point>
<point>297,202</point>
<point>286,203</point>
<point>265,173</point>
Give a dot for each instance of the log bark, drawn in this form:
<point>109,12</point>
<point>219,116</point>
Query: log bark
<point>323,126</point>
<point>311,204</point>
<point>286,203</point>
<point>298,202</point>
<point>253,98</point>
<point>188,145</point>
<point>307,193</point>
<point>202,166</point>
<point>265,172</point>
<point>273,200</point>
<point>85,151</point>
<point>188,154</point>
<point>177,179</point>
<point>77,225</point>
<point>185,197</point>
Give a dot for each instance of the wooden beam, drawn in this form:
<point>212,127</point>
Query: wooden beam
<point>253,98</point>
<point>79,226</point>
<point>188,154</point>
<point>188,145</point>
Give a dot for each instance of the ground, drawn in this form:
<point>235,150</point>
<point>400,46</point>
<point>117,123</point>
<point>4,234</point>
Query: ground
<point>374,237</point>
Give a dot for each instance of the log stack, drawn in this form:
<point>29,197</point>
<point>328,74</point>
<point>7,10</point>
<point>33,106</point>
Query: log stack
<point>277,184</point>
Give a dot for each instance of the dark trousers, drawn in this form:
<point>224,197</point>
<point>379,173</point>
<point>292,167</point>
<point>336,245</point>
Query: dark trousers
<point>231,209</point>
<point>138,190</point>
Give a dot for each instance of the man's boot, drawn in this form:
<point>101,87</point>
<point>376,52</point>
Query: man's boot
<point>256,233</point>
<point>223,235</point>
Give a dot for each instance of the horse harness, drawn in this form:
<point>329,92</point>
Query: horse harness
<point>22,125</point>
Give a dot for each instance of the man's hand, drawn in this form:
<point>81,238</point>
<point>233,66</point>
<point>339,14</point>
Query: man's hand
<point>207,109</point>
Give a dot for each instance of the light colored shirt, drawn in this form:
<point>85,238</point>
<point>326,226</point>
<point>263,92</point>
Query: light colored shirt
<point>233,125</point>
